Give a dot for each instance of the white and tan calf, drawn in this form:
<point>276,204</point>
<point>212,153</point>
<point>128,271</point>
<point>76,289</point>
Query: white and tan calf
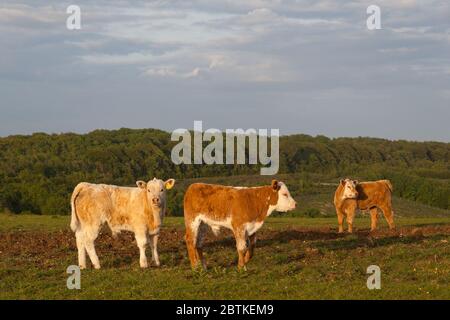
<point>140,210</point>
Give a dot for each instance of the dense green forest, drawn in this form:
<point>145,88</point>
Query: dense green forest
<point>39,172</point>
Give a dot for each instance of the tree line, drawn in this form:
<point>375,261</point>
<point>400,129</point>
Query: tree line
<point>38,172</point>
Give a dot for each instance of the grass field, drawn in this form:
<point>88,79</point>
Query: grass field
<point>296,258</point>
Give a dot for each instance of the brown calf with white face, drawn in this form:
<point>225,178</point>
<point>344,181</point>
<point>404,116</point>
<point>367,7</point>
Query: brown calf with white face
<point>373,195</point>
<point>139,210</point>
<point>243,210</point>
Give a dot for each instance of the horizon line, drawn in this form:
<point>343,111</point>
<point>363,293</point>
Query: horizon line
<point>191,130</point>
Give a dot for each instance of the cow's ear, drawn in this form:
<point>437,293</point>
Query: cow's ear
<point>355,182</point>
<point>342,181</point>
<point>169,184</point>
<point>275,185</point>
<point>141,184</point>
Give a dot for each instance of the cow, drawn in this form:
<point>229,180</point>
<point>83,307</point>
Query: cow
<point>372,195</point>
<point>140,210</point>
<point>240,209</point>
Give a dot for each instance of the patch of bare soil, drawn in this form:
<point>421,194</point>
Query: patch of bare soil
<point>47,249</point>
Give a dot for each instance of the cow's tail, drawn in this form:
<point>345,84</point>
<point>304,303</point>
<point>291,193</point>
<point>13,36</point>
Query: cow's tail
<point>74,222</point>
<point>389,184</point>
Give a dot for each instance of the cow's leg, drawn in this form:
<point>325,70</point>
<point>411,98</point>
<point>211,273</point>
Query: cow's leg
<point>141,241</point>
<point>340,217</point>
<point>89,238</point>
<point>388,215</point>
<point>154,246</point>
<point>241,246</point>
<point>79,235</point>
<point>373,218</point>
<point>191,239</point>
<point>251,248</point>
<point>201,233</point>
<point>350,217</point>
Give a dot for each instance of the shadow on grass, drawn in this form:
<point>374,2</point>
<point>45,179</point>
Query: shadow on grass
<point>370,242</point>
<point>432,224</point>
<point>326,240</point>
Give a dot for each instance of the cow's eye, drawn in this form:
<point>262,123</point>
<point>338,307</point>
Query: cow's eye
<point>162,190</point>
<point>285,194</point>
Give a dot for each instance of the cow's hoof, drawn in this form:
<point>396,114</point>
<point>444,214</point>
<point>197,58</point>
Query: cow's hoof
<point>82,267</point>
<point>242,268</point>
<point>198,269</point>
<point>144,265</point>
<point>97,267</point>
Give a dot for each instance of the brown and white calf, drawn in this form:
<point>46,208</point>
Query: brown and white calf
<point>373,195</point>
<point>139,210</point>
<point>243,210</point>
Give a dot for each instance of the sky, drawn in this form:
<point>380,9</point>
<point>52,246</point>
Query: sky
<point>301,66</point>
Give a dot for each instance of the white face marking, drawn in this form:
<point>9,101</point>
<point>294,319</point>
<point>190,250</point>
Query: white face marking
<point>156,193</point>
<point>285,201</point>
<point>349,190</point>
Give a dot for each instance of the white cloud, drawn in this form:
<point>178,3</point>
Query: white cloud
<point>131,58</point>
<point>399,50</point>
<point>19,13</point>
<point>161,72</point>
<point>171,72</point>
<point>87,44</point>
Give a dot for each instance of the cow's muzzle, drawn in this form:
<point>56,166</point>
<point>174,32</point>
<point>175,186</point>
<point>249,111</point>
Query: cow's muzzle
<point>156,202</point>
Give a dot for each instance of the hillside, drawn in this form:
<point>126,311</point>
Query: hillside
<point>38,172</point>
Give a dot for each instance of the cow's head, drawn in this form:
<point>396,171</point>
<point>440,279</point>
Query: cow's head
<point>285,201</point>
<point>156,191</point>
<point>349,189</point>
